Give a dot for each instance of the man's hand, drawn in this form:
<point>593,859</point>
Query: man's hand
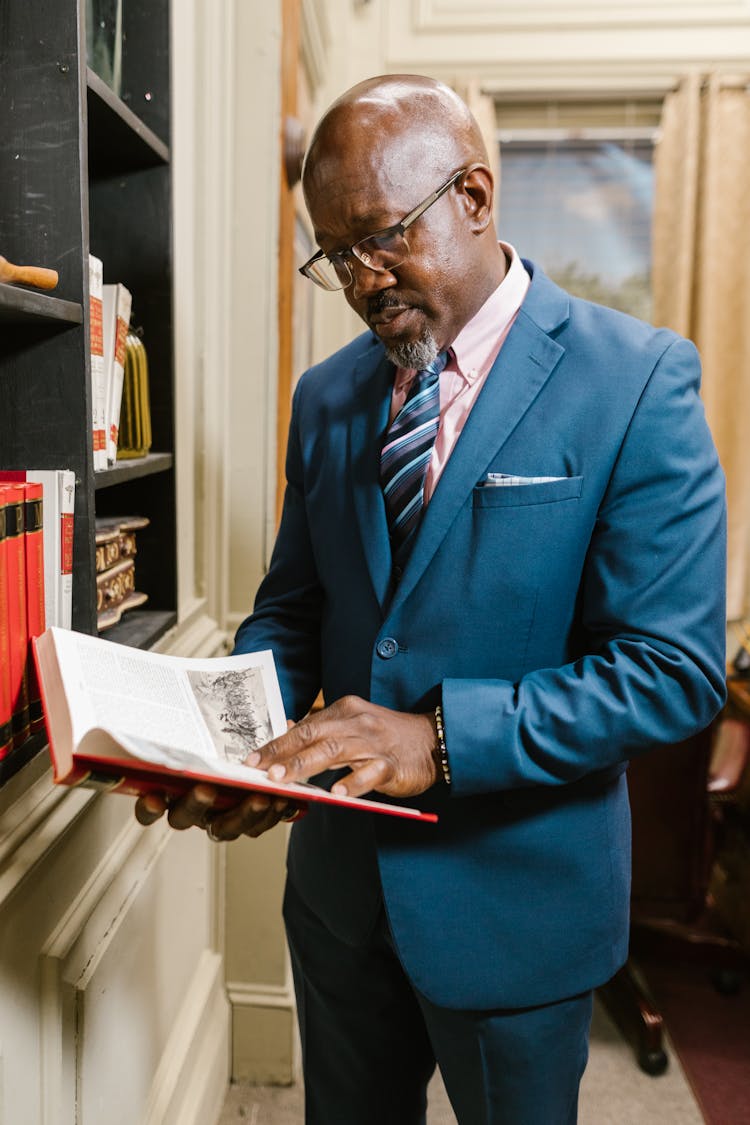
<point>389,751</point>
<point>250,817</point>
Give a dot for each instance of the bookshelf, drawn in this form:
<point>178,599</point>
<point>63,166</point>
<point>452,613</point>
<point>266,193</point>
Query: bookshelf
<point>83,169</point>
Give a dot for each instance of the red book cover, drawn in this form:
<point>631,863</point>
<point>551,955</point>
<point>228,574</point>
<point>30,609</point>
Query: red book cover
<point>13,498</point>
<point>35,623</point>
<point>6,711</point>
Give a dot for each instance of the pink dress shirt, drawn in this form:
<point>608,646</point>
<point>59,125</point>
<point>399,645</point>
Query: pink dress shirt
<point>470,359</point>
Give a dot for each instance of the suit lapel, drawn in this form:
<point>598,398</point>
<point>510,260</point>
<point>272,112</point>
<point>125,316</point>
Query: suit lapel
<point>373,384</point>
<point>523,366</point>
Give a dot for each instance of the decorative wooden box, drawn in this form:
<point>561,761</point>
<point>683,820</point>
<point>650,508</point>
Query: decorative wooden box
<point>115,569</point>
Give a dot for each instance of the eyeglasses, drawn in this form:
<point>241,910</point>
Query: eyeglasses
<point>382,251</point>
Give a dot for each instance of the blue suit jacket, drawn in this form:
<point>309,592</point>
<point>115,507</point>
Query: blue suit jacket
<point>566,626</point>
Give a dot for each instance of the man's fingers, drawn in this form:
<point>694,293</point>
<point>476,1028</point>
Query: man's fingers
<point>282,748</point>
<point>323,754</point>
<point>194,808</point>
<point>235,822</point>
<point>324,742</point>
<point>150,808</point>
<point>373,774</point>
<point>253,817</point>
<point>313,732</point>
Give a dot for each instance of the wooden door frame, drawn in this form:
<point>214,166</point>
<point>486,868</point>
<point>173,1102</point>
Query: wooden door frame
<point>290,43</point>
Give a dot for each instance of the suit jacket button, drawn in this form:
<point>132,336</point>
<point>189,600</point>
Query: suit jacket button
<point>387,648</point>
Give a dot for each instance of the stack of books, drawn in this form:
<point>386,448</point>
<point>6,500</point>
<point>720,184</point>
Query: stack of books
<point>110,307</point>
<point>36,587</point>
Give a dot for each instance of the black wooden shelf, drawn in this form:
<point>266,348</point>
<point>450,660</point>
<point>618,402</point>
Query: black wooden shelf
<point>118,141</point>
<point>131,470</point>
<point>141,628</point>
<point>25,306</point>
<point>57,207</point>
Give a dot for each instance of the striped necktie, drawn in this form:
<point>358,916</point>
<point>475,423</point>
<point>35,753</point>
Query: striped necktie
<point>406,455</point>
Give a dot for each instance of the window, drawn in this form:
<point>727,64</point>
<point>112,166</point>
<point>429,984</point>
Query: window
<point>576,196</point>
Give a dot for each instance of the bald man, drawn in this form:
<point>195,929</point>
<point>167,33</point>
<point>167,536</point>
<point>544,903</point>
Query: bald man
<point>501,559</point>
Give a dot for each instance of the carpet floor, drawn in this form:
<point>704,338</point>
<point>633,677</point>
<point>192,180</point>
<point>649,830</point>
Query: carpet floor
<point>613,1092</point>
<point>710,1033</point>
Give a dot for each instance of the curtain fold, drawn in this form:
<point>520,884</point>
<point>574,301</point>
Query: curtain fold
<point>701,274</point>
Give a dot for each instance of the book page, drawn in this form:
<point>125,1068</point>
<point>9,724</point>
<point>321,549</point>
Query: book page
<point>180,759</point>
<point>212,711</point>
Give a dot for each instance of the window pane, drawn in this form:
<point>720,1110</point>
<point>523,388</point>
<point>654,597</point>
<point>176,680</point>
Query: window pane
<point>582,210</point>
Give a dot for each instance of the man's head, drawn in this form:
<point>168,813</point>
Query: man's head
<point>380,150</point>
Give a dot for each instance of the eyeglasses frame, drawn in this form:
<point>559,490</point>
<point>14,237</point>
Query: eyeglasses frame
<point>397,228</point>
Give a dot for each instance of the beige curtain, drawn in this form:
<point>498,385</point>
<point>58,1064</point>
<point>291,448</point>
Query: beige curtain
<point>701,274</point>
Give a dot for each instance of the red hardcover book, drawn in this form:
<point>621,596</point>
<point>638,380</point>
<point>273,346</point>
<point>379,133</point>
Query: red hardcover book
<point>35,623</point>
<point>142,722</point>
<point>6,711</point>
<point>13,497</point>
<point>58,494</point>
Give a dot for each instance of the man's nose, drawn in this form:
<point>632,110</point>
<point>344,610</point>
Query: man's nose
<point>366,281</point>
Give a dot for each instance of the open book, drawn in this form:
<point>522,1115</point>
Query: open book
<point>140,722</point>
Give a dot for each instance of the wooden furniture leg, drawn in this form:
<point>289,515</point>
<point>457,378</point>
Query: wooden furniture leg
<point>637,1017</point>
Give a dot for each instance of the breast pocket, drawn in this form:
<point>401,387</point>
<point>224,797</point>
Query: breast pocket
<point>520,495</point>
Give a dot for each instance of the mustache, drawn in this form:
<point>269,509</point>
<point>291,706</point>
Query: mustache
<point>382,301</point>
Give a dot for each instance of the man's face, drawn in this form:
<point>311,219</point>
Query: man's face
<point>418,308</point>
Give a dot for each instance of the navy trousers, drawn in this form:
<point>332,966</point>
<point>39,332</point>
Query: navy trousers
<point>370,1041</point>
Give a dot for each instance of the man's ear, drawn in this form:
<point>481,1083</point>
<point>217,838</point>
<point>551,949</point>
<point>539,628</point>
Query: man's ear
<point>477,191</point>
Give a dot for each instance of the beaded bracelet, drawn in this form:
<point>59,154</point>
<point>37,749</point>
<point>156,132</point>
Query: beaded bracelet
<point>441,750</point>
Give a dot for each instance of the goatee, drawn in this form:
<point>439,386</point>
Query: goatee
<point>417,354</point>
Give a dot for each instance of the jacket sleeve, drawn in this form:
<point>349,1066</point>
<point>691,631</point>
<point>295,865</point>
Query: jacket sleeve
<point>288,606</point>
<point>652,612</point>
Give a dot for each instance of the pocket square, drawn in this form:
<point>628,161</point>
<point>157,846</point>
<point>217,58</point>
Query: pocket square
<point>504,480</point>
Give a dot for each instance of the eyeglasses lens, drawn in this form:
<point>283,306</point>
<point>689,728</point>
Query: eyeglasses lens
<point>377,252</point>
<point>323,273</point>
<point>382,251</point>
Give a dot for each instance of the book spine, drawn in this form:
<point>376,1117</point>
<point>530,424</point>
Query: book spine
<point>98,374</point>
<point>6,710</point>
<point>67,493</point>
<point>35,616</point>
<point>48,478</point>
<point>124,302</point>
<point>17,634</point>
